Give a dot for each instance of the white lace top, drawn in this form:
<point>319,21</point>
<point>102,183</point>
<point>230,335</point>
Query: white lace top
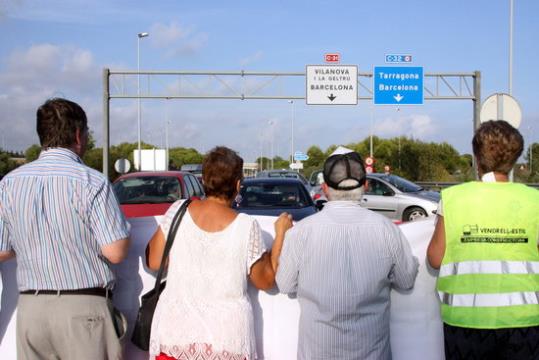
<point>204,311</point>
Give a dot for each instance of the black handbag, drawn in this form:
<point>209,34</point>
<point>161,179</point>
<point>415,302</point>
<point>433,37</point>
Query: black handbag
<point>148,302</point>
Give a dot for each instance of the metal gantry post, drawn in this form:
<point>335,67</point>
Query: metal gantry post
<point>476,99</point>
<point>106,122</point>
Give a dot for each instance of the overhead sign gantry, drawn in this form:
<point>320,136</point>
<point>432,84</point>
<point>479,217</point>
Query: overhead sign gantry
<point>269,86</point>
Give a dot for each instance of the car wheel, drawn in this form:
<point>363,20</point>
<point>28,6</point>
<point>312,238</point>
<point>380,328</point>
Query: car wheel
<point>414,213</point>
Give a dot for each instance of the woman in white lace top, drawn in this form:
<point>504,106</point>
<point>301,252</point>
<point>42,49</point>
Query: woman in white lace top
<point>205,312</point>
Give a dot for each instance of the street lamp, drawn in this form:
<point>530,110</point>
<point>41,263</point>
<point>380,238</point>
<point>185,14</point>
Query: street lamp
<point>510,47</point>
<point>139,36</point>
<point>271,123</point>
<point>292,139</point>
<point>261,158</point>
<point>167,122</point>
<point>530,158</point>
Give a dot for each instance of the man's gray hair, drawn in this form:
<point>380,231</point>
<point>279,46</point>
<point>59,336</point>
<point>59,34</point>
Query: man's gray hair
<point>346,195</point>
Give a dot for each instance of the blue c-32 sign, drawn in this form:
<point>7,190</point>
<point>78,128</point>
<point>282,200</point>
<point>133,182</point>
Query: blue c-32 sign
<point>398,85</point>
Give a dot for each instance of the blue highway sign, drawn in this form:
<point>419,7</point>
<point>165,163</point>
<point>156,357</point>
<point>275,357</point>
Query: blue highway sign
<point>398,85</point>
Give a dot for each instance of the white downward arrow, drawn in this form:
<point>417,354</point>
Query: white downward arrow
<point>398,97</point>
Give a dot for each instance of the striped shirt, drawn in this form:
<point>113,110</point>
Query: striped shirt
<point>342,263</point>
<point>56,213</point>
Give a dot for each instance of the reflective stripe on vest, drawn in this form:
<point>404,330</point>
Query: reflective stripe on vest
<point>489,267</point>
<point>486,300</point>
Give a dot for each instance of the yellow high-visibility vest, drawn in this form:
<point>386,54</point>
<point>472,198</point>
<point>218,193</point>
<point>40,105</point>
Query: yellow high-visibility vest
<point>489,277</point>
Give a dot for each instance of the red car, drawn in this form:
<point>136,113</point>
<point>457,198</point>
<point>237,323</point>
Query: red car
<point>151,193</point>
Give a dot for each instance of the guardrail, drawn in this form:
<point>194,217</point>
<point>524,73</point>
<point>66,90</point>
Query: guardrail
<point>439,185</point>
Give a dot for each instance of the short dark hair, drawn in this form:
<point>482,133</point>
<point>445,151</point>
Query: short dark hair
<point>57,122</point>
<point>497,146</point>
<point>221,169</point>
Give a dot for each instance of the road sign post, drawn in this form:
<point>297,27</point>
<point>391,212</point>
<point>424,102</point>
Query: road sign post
<point>331,84</point>
<point>398,85</point>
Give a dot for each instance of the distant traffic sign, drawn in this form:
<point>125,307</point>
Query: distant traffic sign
<point>398,58</point>
<point>331,84</point>
<point>299,156</point>
<point>369,160</point>
<point>398,85</point>
<point>122,166</point>
<point>332,58</point>
<point>501,106</point>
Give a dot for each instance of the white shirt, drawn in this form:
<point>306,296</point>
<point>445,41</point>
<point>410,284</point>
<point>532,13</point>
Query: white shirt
<point>205,301</point>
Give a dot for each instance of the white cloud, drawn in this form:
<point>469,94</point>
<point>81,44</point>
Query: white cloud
<point>251,58</point>
<point>32,75</point>
<point>80,62</point>
<point>166,35</point>
<point>176,39</point>
<point>418,126</point>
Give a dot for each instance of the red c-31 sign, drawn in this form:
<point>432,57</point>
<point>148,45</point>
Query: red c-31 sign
<point>332,57</point>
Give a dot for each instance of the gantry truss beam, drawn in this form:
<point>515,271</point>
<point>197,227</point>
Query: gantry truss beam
<point>245,85</point>
<point>252,85</point>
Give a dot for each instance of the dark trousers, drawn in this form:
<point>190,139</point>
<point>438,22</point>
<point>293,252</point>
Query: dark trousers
<point>491,344</point>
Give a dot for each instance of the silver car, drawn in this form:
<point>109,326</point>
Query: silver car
<point>391,196</point>
<point>398,198</point>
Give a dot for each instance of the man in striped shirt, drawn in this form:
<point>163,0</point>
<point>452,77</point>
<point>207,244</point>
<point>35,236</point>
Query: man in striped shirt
<point>342,263</point>
<point>62,221</point>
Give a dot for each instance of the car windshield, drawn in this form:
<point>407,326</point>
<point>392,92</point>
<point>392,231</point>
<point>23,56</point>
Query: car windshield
<point>147,190</point>
<point>268,195</point>
<point>317,178</point>
<point>402,184</point>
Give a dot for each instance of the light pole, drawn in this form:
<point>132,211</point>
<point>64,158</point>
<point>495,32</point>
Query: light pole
<point>166,138</point>
<point>139,36</point>
<point>292,139</point>
<point>510,47</point>
<point>271,123</point>
<point>370,136</point>
<point>261,158</point>
<point>531,150</point>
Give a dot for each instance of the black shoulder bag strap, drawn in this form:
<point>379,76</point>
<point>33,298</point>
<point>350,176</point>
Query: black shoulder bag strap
<point>176,220</point>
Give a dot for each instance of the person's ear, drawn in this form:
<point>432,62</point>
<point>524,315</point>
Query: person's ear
<point>78,140</point>
<point>238,186</point>
<point>477,168</point>
<point>78,136</point>
<point>325,189</point>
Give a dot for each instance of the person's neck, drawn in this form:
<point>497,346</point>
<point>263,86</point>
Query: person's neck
<point>500,177</point>
<point>219,201</point>
<point>76,150</point>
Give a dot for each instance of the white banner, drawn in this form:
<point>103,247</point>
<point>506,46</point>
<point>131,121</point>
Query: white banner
<point>416,328</point>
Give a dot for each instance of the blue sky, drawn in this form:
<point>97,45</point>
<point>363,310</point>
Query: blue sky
<point>59,48</point>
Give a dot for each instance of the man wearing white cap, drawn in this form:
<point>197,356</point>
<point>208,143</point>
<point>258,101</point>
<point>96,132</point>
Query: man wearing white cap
<point>342,263</point>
